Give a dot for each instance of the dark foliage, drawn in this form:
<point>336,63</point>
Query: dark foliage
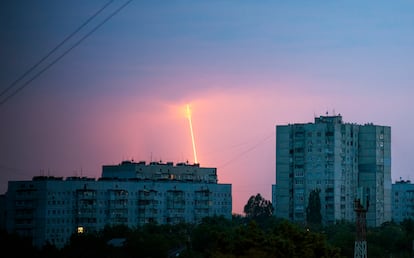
<point>13,245</point>
<point>313,211</point>
<point>258,207</point>
<point>214,237</point>
<point>221,237</point>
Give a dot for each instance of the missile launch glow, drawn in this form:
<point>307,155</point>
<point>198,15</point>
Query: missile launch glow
<point>192,133</point>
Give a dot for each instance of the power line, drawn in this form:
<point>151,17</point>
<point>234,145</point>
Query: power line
<point>247,151</point>
<point>54,49</point>
<point>64,53</point>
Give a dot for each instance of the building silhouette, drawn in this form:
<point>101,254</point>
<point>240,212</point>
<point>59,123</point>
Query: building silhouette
<point>51,209</point>
<point>337,158</point>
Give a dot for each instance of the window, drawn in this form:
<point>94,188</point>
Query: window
<point>299,181</point>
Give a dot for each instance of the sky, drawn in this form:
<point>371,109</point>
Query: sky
<point>118,89</point>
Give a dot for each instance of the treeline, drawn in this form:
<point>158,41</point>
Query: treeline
<point>219,237</point>
<point>257,234</point>
<point>389,240</point>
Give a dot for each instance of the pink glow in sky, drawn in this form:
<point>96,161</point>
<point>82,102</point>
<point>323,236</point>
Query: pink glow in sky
<point>243,67</point>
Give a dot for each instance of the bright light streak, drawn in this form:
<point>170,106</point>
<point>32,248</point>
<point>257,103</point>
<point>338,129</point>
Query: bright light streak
<point>192,133</point>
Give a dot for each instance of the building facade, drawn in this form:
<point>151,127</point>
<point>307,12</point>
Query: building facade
<point>51,209</point>
<point>402,200</point>
<point>337,159</point>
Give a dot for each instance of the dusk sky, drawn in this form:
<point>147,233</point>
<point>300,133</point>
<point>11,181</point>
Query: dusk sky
<point>242,66</point>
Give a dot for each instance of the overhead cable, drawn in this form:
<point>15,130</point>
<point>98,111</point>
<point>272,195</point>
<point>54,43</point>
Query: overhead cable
<point>2,102</point>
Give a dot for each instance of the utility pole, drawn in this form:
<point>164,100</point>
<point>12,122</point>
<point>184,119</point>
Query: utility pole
<point>361,208</point>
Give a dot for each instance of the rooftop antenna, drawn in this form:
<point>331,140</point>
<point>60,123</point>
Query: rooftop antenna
<point>192,133</point>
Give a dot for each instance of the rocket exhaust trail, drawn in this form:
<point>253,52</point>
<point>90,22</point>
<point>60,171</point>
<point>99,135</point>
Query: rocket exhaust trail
<point>192,133</point>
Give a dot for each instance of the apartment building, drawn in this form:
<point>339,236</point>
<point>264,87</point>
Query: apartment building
<point>337,159</point>
<point>51,209</point>
<point>402,200</point>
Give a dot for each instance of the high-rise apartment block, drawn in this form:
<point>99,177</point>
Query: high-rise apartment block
<point>402,200</point>
<point>337,159</point>
<point>51,209</point>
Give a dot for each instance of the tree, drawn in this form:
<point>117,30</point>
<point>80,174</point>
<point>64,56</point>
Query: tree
<point>342,235</point>
<point>313,211</point>
<point>213,235</point>
<point>258,207</point>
